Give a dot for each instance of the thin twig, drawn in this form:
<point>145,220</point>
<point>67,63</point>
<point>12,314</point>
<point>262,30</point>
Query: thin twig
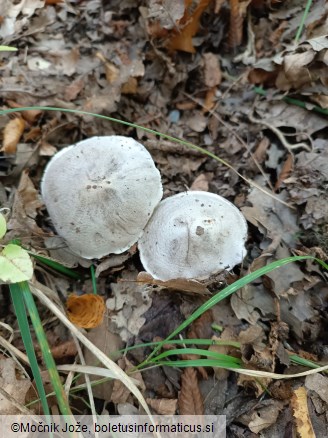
<point>290,147</point>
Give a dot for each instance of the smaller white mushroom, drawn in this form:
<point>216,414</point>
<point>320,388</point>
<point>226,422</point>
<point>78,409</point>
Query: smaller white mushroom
<point>100,193</point>
<point>193,235</point>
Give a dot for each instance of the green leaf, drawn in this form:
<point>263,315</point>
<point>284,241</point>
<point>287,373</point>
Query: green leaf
<point>7,49</point>
<point>3,226</point>
<point>15,264</point>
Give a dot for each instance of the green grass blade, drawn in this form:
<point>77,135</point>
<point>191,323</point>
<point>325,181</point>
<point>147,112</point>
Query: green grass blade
<point>93,279</point>
<point>56,266</point>
<point>199,363</point>
<point>24,289</point>
<point>199,352</point>
<point>305,105</point>
<point>8,49</point>
<point>152,131</point>
<point>304,362</point>
<point>122,122</point>
<point>297,102</point>
<point>229,290</point>
<point>179,342</point>
<point>304,16</point>
<point>20,310</point>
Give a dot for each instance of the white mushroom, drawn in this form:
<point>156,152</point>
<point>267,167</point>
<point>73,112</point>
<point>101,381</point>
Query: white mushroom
<point>193,235</point>
<point>100,193</point>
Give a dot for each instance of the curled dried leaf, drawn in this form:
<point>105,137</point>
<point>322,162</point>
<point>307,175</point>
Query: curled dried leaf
<point>112,72</point>
<point>12,134</point>
<point>301,413</point>
<point>183,284</point>
<point>189,25</point>
<point>212,70</point>
<point>235,36</point>
<point>85,311</point>
<point>163,406</point>
<point>285,171</point>
<point>29,116</point>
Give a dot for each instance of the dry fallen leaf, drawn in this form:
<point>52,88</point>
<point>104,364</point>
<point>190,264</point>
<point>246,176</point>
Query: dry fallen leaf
<point>74,88</point>
<point>127,305</point>
<point>112,72</point>
<point>218,5</point>
<point>212,70</point>
<point>64,350</point>
<point>121,393</point>
<point>286,275</point>
<point>108,342</point>
<point>16,386</point>
<point>254,385</point>
<point>12,134</point>
<point>163,406</point>
<point>30,116</point>
<point>190,400</point>
<point>85,311</point>
<point>260,152</point>
<point>301,413</point>
<point>236,25</point>
<point>167,13</point>
<point>301,67</point>
<point>25,207</point>
<point>285,172</point>
<point>210,100</point>
<point>322,100</point>
<point>265,416</point>
<point>227,335</point>
<point>189,25</point>
<point>319,384</point>
<point>295,72</point>
<point>271,217</point>
<point>181,284</point>
<point>202,182</point>
<point>15,15</point>
<point>130,87</point>
<point>53,2</point>
<point>307,187</point>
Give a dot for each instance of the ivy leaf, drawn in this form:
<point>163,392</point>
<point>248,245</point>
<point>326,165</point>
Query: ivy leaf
<point>15,264</point>
<point>3,226</point>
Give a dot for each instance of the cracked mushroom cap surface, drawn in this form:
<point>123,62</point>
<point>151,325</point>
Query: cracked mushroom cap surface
<point>193,235</point>
<point>100,194</point>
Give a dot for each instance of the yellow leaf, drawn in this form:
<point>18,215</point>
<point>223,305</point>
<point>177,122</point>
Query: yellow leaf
<point>301,413</point>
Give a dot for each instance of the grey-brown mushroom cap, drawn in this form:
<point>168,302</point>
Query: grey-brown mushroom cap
<point>193,235</point>
<point>100,194</point>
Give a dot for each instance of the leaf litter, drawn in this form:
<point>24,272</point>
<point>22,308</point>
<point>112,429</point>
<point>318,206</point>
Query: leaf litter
<point>186,68</point>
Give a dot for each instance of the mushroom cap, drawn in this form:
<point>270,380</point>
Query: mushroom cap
<point>100,193</point>
<point>193,235</point>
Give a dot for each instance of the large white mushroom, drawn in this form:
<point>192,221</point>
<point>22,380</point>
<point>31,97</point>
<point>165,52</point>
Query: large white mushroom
<point>100,193</point>
<point>193,235</point>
